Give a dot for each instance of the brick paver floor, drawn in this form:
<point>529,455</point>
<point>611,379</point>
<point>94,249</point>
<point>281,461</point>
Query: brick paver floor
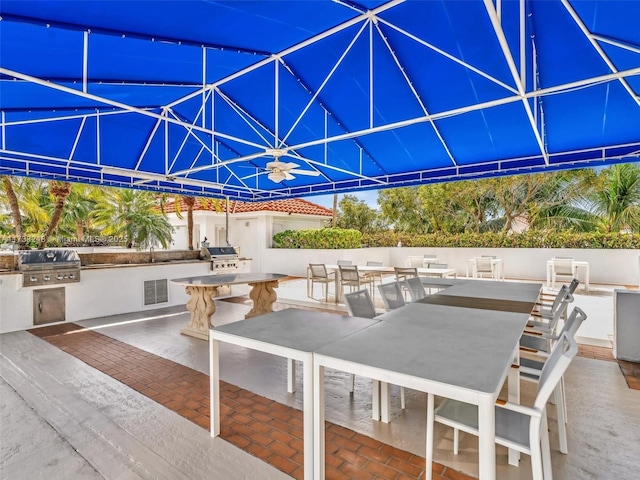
<point>266,429</point>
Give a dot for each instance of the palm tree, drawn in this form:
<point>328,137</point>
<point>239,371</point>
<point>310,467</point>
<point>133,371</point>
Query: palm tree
<point>133,215</point>
<point>14,206</point>
<point>79,210</point>
<point>617,203</point>
<point>189,202</point>
<point>60,191</point>
<point>29,211</point>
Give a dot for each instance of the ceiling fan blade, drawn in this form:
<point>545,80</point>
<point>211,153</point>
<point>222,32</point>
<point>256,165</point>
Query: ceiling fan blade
<point>287,175</point>
<point>311,173</point>
<point>276,177</point>
<point>290,166</point>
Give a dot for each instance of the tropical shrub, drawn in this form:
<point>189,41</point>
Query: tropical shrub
<point>342,238</point>
<point>318,238</point>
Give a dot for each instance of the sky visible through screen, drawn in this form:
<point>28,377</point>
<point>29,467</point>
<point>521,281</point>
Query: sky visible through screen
<point>369,196</point>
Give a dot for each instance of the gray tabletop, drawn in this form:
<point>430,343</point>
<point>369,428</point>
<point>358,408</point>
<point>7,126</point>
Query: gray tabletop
<point>228,279</point>
<point>501,296</point>
<point>461,347</point>
<point>303,330</point>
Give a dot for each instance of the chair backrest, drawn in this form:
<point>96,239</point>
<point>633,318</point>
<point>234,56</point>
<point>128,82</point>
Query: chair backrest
<point>573,323</point>
<point>430,258</point>
<point>402,273</point>
<point>563,266</point>
<point>318,270</point>
<point>573,285</point>
<point>493,257</point>
<point>416,289</point>
<point>349,273</point>
<point>437,265</point>
<point>484,264</point>
<point>415,261</point>
<point>559,307</point>
<point>371,263</point>
<point>359,304</point>
<point>391,295</point>
<point>344,262</point>
<point>555,366</point>
<point>561,297</point>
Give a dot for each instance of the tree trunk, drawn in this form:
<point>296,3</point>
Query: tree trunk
<point>190,202</point>
<point>60,191</point>
<point>334,219</point>
<point>80,231</point>
<point>15,212</point>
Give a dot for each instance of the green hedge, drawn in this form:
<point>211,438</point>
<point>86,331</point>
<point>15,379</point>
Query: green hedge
<point>340,238</point>
<point>318,238</point>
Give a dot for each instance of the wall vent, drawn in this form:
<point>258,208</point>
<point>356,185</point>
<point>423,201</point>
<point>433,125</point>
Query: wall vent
<point>156,291</point>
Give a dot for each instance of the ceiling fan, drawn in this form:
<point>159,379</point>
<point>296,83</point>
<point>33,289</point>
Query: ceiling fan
<point>279,171</point>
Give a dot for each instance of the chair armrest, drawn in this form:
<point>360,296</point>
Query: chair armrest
<point>514,407</point>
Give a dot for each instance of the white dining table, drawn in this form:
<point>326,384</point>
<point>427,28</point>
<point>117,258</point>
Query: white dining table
<point>459,353</point>
<point>578,266</point>
<point>293,334</point>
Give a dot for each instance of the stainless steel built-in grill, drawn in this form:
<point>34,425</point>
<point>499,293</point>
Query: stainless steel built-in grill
<point>49,267</point>
<point>223,259</point>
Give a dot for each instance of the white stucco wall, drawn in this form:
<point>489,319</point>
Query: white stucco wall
<point>100,292</point>
<point>612,267</point>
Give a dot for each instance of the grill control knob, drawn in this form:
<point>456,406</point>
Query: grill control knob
<point>59,277</point>
<point>33,279</point>
<point>47,278</point>
<point>72,276</point>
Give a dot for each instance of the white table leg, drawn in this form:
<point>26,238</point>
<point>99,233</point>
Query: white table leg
<point>586,278</point>
<point>318,427</point>
<point>430,425</point>
<point>291,375</point>
<point>375,399</point>
<point>487,438</point>
<point>385,402</point>
<point>308,417</point>
<point>548,274</point>
<point>514,397</point>
<point>214,387</point>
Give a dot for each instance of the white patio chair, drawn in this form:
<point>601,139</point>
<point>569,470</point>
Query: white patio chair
<point>415,261</point>
<point>320,275</point>
<point>545,319</point>
<point>392,295</point>
<point>562,269</point>
<point>546,299</point>
<point>350,277</point>
<point>415,288</point>
<point>403,273</point>
<point>438,265</point>
<point>518,427</point>
<point>374,275</point>
<point>484,267</point>
<point>430,258</point>
<point>344,262</point>
<point>539,346</point>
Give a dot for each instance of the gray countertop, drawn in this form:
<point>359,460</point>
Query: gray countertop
<point>228,279</point>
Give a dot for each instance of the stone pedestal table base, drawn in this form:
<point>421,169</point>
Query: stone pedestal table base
<point>263,296</point>
<point>202,306</point>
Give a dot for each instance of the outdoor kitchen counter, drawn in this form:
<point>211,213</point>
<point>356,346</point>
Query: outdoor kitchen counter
<point>203,289</point>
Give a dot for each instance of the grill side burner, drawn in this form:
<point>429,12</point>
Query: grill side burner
<point>223,259</point>
<point>48,267</point>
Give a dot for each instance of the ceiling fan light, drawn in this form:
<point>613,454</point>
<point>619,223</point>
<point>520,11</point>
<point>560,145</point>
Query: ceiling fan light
<point>276,177</point>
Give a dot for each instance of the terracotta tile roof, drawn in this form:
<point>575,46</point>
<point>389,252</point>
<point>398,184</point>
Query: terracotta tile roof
<point>292,205</point>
